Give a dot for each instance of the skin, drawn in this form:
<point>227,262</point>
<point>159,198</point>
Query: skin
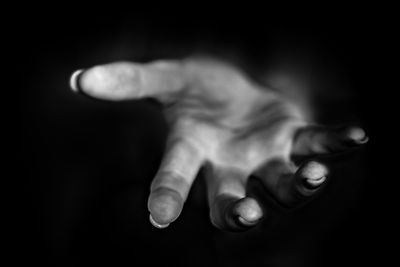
<point>222,121</point>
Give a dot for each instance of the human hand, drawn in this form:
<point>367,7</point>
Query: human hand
<point>227,124</point>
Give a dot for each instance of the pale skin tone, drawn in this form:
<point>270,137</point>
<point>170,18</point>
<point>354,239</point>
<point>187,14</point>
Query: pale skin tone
<point>222,121</point>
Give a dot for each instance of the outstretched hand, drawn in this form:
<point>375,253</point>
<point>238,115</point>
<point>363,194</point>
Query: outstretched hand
<point>222,121</point>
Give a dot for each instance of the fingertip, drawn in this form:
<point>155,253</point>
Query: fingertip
<point>236,215</point>
<point>248,211</point>
<point>164,205</point>
<point>357,135</point>
<point>314,170</point>
<point>102,82</point>
<point>313,184</point>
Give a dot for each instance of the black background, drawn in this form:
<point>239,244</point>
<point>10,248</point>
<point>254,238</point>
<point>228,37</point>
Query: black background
<point>85,166</point>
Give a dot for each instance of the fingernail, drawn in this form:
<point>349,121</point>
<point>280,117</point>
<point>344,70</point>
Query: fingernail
<point>154,223</point>
<point>363,140</point>
<point>245,222</point>
<point>314,183</point>
<point>74,80</point>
